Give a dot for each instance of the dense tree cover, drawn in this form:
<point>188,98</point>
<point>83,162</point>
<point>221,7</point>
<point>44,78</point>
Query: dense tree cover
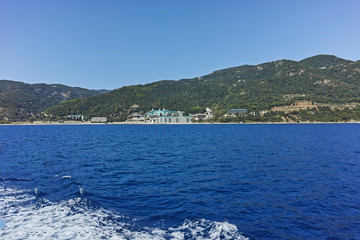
<point>321,79</point>
<point>324,61</point>
<point>19,101</point>
<point>322,114</point>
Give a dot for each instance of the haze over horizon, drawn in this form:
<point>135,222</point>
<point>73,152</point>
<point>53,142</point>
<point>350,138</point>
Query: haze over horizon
<point>107,45</point>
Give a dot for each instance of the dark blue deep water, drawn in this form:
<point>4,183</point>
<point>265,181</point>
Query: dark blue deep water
<point>295,181</point>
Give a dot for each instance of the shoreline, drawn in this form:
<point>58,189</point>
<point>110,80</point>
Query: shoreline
<point>145,123</point>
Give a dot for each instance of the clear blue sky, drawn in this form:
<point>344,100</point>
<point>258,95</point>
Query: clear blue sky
<point>110,44</point>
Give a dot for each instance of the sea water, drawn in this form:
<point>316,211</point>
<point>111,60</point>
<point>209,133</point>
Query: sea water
<point>281,181</point>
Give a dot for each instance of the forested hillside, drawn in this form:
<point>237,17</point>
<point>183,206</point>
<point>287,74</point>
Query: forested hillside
<point>20,101</point>
<point>322,87</point>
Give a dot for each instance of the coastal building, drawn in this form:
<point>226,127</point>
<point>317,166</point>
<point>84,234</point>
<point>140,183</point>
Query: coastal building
<point>136,117</point>
<point>134,106</point>
<point>37,122</point>
<point>163,112</point>
<point>237,111</point>
<point>99,120</point>
<point>166,116</point>
<point>174,119</point>
<point>209,114</point>
<point>76,117</point>
<point>153,118</point>
<point>200,116</point>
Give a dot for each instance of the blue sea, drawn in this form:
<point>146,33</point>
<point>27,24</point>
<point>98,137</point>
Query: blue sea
<point>281,181</point>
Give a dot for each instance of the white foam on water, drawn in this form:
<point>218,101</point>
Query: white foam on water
<point>68,177</point>
<point>72,219</point>
<point>81,191</point>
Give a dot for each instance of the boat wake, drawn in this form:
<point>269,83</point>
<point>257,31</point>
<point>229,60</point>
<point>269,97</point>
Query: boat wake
<point>27,217</point>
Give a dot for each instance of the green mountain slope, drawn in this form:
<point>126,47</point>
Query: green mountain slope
<point>258,88</point>
<point>19,101</point>
<point>324,61</point>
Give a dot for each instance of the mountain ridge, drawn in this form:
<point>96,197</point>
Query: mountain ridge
<point>323,60</point>
<point>258,88</point>
<point>323,82</point>
<point>20,101</point>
